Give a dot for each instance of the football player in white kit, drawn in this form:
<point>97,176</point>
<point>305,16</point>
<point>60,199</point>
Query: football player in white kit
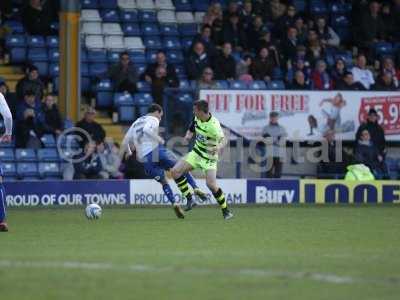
<point>5,138</point>
<point>143,136</point>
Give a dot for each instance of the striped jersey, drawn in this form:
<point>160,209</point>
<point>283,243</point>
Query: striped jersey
<point>209,135</point>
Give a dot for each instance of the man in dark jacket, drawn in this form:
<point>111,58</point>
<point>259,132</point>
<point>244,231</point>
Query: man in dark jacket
<point>87,164</point>
<point>385,83</point>
<point>31,82</point>
<point>37,17</point>
<point>234,33</point>
<point>262,66</point>
<point>205,37</point>
<point>161,61</point>
<point>371,27</point>
<point>94,129</point>
<point>299,82</point>
<point>52,115</point>
<point>197,61</point>
<point>225,64</point>
<point>123,74</point>
<point>347,83</point>
<point>376,132</point>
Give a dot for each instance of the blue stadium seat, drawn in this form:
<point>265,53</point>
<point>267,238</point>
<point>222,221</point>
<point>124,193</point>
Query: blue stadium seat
<point>169,30</point>
<point>110,15</point>
<point>15,40</point>
<point>15,26</point>
<point>140,68</point>
<point>276,85</point>
<point>18,55</point>
<point>48,154</point>
<point>43,67</point>
<point>183,5</point>
<point>108,3</point>
<point>237,85</point>
<point>340,8</point>
<point>54,69</point>
<point>131,29</point>
<point>97,56</point>
<point>55,26</point>
<point>186,43</point>
<point>143,87</point>
<point>147,16</point>
<point>151,56</point>
<point>27,170</point>
<point>185,86</point>
<point>172,43</point>
<point>97,69</point>
<point>126,113</point>
<point>257,85</point>
<point>122,99</point>
<point>150,29</point>
<point>52,42</point>
<point>49,170</point>
<point>142,102</point>
<point>318,7</point>
<point>188,29</point>
<point>9,169</point>
<point>37,54</point>
<point>180,71</point>
<point>223,84</point>
<point>25,154</point>
<point>384,48</point>
<point>346,56</point>
<point>84,69</point>
<point>6,154</point>
<point>201,5</point>
<point>182,105</point>
<point>129,16</point>
<point>48,140</point>
<point>174,57</point>
<point>54,55</point>
<point>56,84</point>
<point>113,57</point>
<point>339,21</point>
<point>104,85</point>
<point>90,4</point>
<point>36,41</point>
<point>152,43</point>
<point>104,93</point>
<point>85,84</point>
<point>277,73</point>
<point>138,57</point>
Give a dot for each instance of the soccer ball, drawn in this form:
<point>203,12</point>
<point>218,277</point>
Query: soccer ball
<point>93,211</point>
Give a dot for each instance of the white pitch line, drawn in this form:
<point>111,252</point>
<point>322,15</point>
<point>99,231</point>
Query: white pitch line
<point>137,268</point>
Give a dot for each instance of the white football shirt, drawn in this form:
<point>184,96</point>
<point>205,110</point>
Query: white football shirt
<point>6,113</point>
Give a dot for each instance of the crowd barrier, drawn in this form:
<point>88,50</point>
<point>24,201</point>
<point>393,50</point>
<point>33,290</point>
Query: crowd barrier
<point>238,191</point>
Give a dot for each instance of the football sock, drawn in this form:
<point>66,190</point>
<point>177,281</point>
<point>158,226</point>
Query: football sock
<point>220,197</point>
<point>2,203</point>
<point>191,181</point>
<point>182,184</point>
<point>168,192</point>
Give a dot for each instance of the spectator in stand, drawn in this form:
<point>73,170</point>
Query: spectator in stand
<point>197,61</point>
<point>243,66</point>
<point>52,116</point>
<point>94,129</point>
<point>214,13</point>
<point>388,21</point>
<point>255,31</point>
<point>338,71</point>
<point>266,40</point>
<point>299,82</point>
<point>5,9</point>
<point>217,34</point>
<point>207,81</point>
<point>375,130</point>
<point>123,75</point>
<point>301,30</point>
<point>234,33</point>
<point>361,73</point>
<point>205,37</point>
<point>225,64</point>
<point>385,83</point>
<point>346,83</point>
<point>299,65</point>
<point>247,15</point>
<point>388,67</point>
<point>31,82</point>
<point>289,44</point>
<point>37,17</point>
<point>30,121</point>
<point>110,160</point>
<point>10,97</point>
<point>88,164</point>
<point>326,34</point>
<point>368,154</point>
<point>276,134</point>
<point>285,21</point>
<point>320,77</point>
<point>161,75</point>
<point>263,66</point>
<point>233,9</point>
<point>315,49</point>
<point>395,15</point>
<point>370,28</point>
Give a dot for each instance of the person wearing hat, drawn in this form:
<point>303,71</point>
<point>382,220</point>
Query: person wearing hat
<point>275,151</point>
<point>94,129</point>
<point>376,132</point>
<point>30,82</point>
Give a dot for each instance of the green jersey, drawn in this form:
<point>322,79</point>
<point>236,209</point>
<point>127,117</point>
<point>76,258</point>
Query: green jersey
<point>209,135</point>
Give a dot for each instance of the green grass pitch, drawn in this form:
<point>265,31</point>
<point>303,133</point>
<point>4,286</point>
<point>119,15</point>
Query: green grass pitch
<point>274,252</point>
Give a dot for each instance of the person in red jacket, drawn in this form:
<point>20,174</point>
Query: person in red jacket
<point>320,77</point>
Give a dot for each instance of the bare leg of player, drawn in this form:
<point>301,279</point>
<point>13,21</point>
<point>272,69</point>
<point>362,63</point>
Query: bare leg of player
<point>168,192</point>
<point>211,180</point>
<point>181,167</point>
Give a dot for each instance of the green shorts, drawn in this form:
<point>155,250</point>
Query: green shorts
<point>197,162</point>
